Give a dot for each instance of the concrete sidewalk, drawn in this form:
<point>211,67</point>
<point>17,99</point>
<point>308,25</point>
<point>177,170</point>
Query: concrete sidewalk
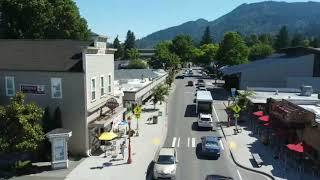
<point>245,143</point>
<point>151,136</point>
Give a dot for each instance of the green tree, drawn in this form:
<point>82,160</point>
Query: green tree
<point>260,51</point>
<point>297,40</point>
<point>133,54</point>
<point>129,43</point>
<point>206,37</point>
<point>164,58</point>
<point>266,39</point>
<point>159,94</point>
<point>314,43</point>
<point>232,50</point>
<point>42,19</point>
<point>252,40</point>
<point>137,64</point>
<point>209,52</point>
<point>282,39</point>
<point>20,126</point>
<point>117,45</point>
<point>182,45</point>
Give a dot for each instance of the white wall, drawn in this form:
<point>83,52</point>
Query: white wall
<point>274,73</point>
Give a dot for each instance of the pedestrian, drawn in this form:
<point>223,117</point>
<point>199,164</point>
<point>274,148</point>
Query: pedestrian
<point>122,147</point>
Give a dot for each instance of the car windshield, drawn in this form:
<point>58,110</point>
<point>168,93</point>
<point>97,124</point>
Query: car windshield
<point>212,144</point>
<point>165,159</point>
<point>205,119</point>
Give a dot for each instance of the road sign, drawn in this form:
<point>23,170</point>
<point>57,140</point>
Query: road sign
<point>233,92</point>
<point>137,110</point>
<point>236,109</point>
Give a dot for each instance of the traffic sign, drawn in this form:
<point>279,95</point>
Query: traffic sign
<point>236,108</point>
<point>137,110</point>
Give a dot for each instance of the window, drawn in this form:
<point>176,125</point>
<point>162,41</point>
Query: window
<point>10,90</point>
<point>93,89</point>
<point>109,83</point>
<point>102,86</point>
<point>56,88</point>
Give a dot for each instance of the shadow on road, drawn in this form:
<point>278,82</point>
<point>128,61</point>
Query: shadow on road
<point>190,111</point>
<point>219,93</point>
<point>195,127</point>
<point>217,177</point>
<point>149,171</point>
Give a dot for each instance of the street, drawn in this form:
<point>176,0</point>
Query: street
<point>184,135</point>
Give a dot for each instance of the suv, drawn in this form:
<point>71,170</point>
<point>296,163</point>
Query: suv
<point>205,120</point>
<point>190,83</point>
<point>165,163</point>
<point>210,146</point>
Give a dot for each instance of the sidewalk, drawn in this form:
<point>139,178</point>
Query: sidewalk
<point>245,143</point>
<point>151,136</point>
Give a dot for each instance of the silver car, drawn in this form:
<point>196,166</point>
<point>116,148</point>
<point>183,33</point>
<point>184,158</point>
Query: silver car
<point>165,163</point>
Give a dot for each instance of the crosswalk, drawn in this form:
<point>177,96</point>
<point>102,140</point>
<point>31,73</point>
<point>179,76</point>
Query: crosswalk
<point>188,142</point>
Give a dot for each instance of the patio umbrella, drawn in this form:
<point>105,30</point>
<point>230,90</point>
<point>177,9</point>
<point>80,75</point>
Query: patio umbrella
<point>107,136</point>
<point>296,147</point>
<point>258,113</point>
<point>264,118</point>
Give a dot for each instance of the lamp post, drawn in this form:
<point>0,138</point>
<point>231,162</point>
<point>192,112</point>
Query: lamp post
<point>129,161</point>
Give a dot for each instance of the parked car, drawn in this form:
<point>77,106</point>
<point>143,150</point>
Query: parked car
<point>190,83</point>
<point>210,146</point>
<point>165,163</point>
<point>201,84</point>
<point>200,81</point>
<point>205,120</point>
<point>202,89</point>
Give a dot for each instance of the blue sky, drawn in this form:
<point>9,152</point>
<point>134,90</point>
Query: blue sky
<point>116,17</point>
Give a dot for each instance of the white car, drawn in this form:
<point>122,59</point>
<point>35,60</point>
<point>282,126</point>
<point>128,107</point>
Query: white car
<point>205,120</point>
<point>165,163</point>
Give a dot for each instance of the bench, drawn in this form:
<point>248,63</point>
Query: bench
<point>257,159</point>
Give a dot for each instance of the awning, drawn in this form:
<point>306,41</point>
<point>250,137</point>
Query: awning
<point>258,113</point>
<point>264,118</point>
<point>102,122</point>
<point>107,136</point>
<point>296,147</point>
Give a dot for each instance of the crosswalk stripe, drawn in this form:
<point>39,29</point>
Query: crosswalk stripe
<point>178,142</point>
<point>193,142</point>
<point>188,142</point>
<point>174,142</point>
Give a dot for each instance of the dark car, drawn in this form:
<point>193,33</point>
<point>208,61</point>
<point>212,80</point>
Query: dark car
<point>210,146</point>
<point>200,81</point>
<point>218,177</point>
<point>190,83</point>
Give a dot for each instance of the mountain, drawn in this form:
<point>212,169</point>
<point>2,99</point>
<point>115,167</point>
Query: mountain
<point>258,18</point>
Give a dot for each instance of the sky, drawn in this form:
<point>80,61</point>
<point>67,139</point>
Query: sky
<point>143,17</point>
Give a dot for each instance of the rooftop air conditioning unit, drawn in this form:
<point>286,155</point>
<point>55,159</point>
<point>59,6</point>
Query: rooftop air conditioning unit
<point>306,90</point>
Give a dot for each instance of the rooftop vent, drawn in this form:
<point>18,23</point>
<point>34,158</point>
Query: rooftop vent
<point>306,90</point>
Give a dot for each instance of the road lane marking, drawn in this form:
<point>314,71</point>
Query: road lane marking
<point>239,174</point>
<point>215,112</point>
<point>174,142</point>
<point>178,142</point>
<point>188,142</point>
<point>193,142</point>
<point>221,144</point>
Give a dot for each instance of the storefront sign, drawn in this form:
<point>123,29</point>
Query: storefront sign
<point>59,149</point>
<point>32,89</point>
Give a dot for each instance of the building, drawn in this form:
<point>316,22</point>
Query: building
<point>146,53</point>
<point>76,76</point>
<point>137,84</point>
<point>292,68</point>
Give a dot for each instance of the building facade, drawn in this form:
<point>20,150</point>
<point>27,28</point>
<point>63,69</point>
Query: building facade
<point>74,76</point>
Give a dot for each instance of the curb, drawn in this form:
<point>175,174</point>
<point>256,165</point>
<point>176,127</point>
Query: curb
<point>242,166</point>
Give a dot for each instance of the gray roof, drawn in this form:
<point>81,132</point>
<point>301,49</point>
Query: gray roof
<point>135,73</point>
<point>42,55</point>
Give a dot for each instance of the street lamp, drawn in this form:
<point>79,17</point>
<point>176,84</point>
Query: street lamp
<point>129,161</point>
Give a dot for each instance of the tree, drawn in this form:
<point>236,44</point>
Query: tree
<point>232,50</point>
<point>182,45</point>
<point>209,53</point>
<point>252,40</point>
<point>266,39</point>
<point>260,51</point>
<point>314,43</point>
<point>117,45</point>
<point>282,39</point>
<point>164,58</point>
<point>133,54</point>
<point>137,64</point>
<point>159,94</point>
<point>20,126</point>
<point>42,19</point>
<point>297,40</point>
<point>129,43</point>
<point>206,37</point>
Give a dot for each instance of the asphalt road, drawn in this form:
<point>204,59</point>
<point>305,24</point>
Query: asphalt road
<point>184,135</point>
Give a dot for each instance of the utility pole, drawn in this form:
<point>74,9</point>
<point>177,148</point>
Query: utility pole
<point>129,161</point>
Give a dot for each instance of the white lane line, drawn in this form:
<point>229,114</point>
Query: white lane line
<point>178,142</point>
<point>188,142</point>
<point>215,112</point>
<point>221,144</point>
<point>174,142</point>
<point>239,174</point>
<point>193,142</point>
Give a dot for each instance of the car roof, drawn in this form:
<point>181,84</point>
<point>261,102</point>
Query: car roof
<point>210,138</point>
<point>166,151</point>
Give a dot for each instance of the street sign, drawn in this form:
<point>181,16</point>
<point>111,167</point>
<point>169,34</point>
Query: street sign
<point>236,109</point>
<point>137,110</point>
<point>233,92</point>
<point>236,115</point>
<point>137,116</point>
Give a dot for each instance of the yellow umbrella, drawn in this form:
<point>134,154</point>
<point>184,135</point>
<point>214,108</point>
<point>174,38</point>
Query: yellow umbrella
<point>107,136</point>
